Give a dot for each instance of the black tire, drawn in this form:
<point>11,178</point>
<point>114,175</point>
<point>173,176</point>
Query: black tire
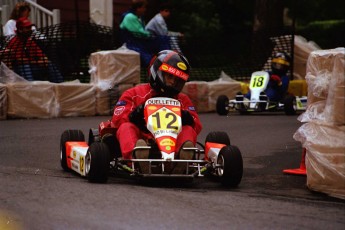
<point>97,162</point>
<point>68,135</point>
<point>113,145</point>
<point>222,103</point>
<point>231,170</point>
<point>290,105</point>
<point>93,136</point>
<point>262,105</point>
<point>218,137</point>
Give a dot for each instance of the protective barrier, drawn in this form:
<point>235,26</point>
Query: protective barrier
<point>67,47</point>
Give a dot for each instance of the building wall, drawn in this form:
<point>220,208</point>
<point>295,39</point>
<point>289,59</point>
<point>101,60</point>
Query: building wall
<point>79,9</point>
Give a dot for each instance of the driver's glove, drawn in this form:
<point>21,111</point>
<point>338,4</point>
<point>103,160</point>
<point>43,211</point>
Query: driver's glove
<point>137,117</point>
<point>276,79</point>
<point>187,119</point>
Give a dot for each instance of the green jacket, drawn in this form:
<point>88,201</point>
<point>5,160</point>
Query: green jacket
<point>134,24</point>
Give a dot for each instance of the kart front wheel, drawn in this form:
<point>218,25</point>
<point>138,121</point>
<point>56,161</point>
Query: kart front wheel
<point>68,135</point>
<point>218,137</point>
<point>230,166</point>
<point>290,105</point>
<point>222,104</point>
<point>97,162</point>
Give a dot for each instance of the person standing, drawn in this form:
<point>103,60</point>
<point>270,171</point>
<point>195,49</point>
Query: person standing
<point>21,9</point>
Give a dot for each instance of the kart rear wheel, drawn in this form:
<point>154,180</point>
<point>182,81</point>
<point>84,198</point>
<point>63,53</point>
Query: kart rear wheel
<point>68,135</point>
<point>230,168</point>
<point>222,104</point>
<point>218,137</point>
<point>97,162</point>
<point>290,105</point>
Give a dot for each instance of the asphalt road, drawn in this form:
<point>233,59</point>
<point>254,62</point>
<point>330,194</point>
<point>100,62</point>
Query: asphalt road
<point>35,193</point>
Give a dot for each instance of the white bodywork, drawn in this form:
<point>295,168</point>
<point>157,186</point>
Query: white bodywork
<point>77,156</point>
<point>258,83</point>
<point>165,122</point>
<point>213,154</point>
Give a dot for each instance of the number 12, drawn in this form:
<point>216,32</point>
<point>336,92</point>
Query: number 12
<point>170,116</point>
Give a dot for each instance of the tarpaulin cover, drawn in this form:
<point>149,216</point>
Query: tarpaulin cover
<point>325,158</point>
<point>323,134</point>
<point>114,67</point>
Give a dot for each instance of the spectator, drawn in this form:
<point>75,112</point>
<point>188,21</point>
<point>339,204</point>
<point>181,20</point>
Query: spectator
<point>133,21</point>
<point>158,26</point>
<point>21,9</point>
<point>134,34</point>
<point>168,73</point>
<point>26,57</point>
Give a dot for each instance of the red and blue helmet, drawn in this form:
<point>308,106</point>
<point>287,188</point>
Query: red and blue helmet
<point>173,64</point>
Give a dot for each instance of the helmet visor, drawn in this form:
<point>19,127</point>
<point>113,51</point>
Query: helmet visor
<point>280,61</point>
<point>172,70</point>
<point>172,77</point>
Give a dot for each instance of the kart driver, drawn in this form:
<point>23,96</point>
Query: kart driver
<point>279,80</point>
<point>128,115</point>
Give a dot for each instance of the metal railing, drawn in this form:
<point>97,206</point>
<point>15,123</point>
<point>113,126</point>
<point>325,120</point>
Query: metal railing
<point>39,15</point>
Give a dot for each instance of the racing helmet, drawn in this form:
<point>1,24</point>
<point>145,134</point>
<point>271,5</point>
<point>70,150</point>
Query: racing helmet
<point>280,63</point>
<point>168,72</point>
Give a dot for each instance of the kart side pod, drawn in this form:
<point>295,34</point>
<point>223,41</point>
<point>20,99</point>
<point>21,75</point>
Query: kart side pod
<point>212,150</point>
<point>76,152</point>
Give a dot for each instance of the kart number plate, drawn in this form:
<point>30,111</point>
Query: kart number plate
<point>165,119</point>
<point>258,82</point>
<point>163,116</point>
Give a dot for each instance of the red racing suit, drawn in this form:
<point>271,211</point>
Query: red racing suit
<point>128,133</point>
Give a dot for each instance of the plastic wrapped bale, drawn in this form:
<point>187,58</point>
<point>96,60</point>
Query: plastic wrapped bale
<point>75,99</point>
<point>31,100</point>
<point>325,157</point>
<point>3,102</point>
<point>198,93</point>
<point>8,76</point>
<point>107,98</point>
<point>320,67</point>
<point>302,50</point>
<point>230,89</point>
<point>114,67</point>
<point>326,88</point>
<point>335,102</point>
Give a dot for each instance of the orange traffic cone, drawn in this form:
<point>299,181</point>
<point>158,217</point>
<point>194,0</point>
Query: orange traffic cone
<point>302,169</point>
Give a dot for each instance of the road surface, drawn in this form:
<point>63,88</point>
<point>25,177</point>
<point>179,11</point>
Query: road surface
<point>35,193</point>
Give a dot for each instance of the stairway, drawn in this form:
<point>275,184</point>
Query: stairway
<point>39,15</point>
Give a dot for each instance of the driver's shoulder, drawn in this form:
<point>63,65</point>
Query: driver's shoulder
<point>183,97</point>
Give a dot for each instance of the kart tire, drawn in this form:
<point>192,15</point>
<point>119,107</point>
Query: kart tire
<point>97,161</point>
<point>68,135</point>
<point>93,136</point>
<point>231,170</point>
<point>290,105</point>
<point>218,137</point>
<point>262,105</point>
<point>222,103</point>
<point>113,145</point>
